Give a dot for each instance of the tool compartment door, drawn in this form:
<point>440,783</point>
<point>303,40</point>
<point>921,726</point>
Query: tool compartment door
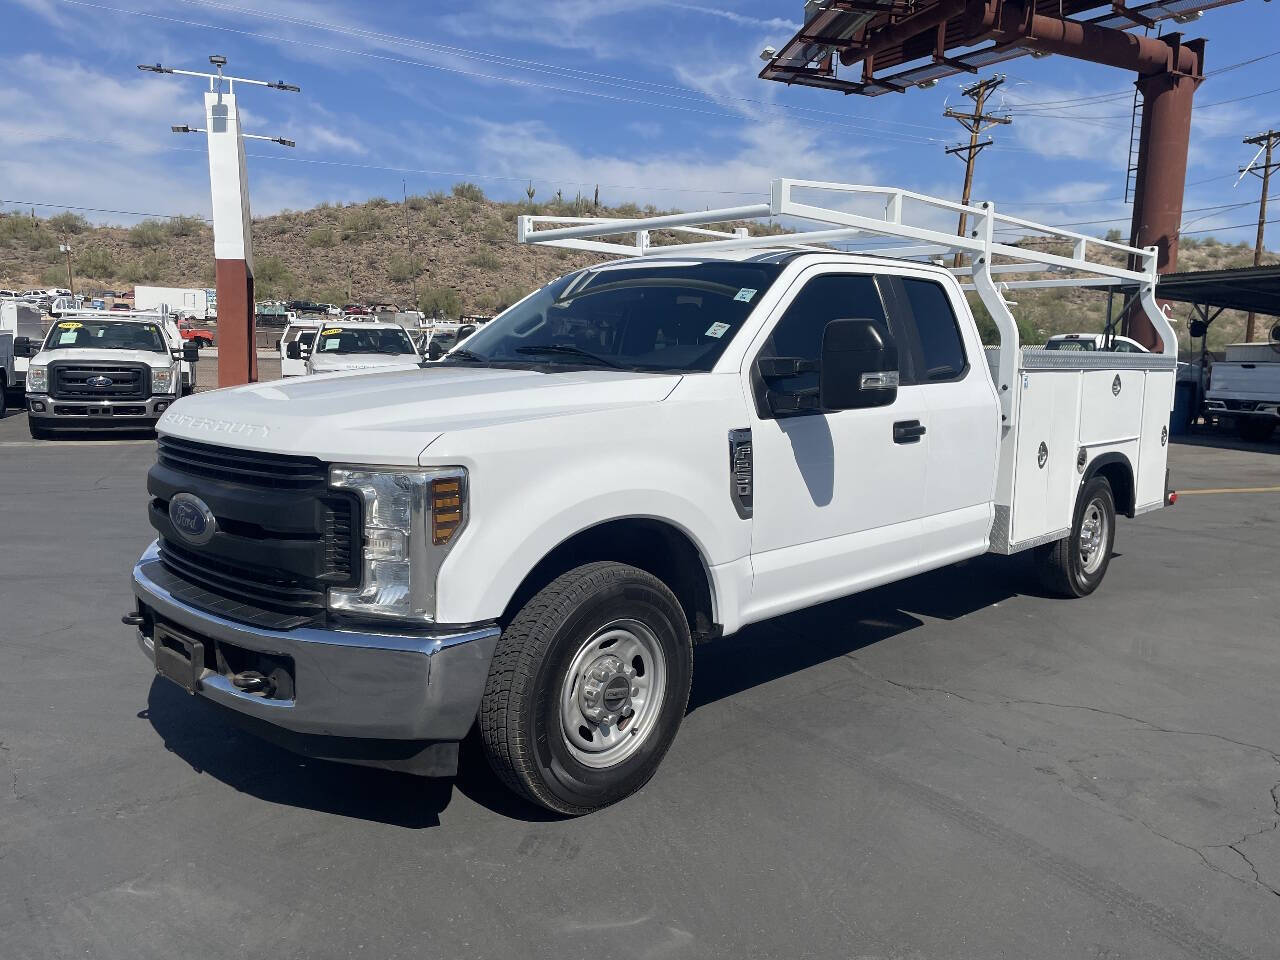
<point>1153,448</point>
<point>1044,464</point>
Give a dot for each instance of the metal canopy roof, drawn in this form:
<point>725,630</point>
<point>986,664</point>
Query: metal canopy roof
<point>835,27</point>
<point>1244,288</point>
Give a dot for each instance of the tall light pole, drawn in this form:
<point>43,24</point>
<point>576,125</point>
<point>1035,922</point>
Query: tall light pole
<point>232,244</point>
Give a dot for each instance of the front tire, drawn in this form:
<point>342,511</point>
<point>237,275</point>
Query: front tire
<point>1076,564</point>
<point>587,688</point>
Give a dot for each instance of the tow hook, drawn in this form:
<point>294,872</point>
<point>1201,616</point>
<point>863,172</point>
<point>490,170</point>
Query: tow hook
<point>133,619</point>
<point>251,681</point>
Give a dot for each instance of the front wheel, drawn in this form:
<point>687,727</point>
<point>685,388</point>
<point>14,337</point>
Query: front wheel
<point>1076,564</point>
<point>587,688</point>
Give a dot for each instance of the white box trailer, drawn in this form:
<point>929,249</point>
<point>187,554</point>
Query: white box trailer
<point>199,302</point>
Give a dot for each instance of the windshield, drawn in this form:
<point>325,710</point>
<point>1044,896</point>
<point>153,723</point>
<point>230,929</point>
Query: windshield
<point>654,316</point>
<point>1069,345</point>
<point>106,335</point>
<point>355,340</point>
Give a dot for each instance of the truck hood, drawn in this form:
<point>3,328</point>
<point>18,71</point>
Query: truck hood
<point>344,362</point>
<point>392,416</point>
<point>89,355</point>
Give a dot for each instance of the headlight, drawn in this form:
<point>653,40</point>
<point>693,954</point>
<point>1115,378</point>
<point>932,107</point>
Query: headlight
<point>411,519</point>
<point>37,380</point>
<point>162,380</point>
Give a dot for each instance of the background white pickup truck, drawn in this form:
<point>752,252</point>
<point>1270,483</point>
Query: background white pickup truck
<point>344,347</point>
<point>1245,386</point>
<point>532,532</point>
<point>106,370</point>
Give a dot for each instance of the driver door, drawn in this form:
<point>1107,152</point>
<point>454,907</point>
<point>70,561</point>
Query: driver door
<point>838,496</point>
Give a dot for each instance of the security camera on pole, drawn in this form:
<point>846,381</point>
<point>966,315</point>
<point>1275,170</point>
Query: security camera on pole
<point>232,245</point>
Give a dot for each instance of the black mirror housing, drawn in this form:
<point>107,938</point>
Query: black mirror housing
<point>191,352</point>
<point>859,366</point>
<point>293,350</point>
<point>22,347</point>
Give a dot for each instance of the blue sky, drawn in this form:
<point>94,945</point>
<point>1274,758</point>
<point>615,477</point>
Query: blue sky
<point>654,100</point>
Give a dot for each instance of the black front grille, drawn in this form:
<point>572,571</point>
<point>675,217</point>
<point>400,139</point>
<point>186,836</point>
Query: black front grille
<point>274,470</point>
<point>99,381</point>
<point>283,536</point>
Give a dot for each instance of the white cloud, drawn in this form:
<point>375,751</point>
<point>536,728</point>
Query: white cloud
<point>319,137</point>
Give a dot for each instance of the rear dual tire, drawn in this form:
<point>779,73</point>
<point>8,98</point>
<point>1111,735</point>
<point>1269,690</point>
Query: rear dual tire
<point>1076,564</point>
<point>587,688</point>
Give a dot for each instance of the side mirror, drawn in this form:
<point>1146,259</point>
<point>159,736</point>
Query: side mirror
<point>22,347</point>
<point>859,366</point>
<point>277,346</point>
<point>466,330</point>
<point>191,352</point>
<point>293,351</point>
<point>435,351</point>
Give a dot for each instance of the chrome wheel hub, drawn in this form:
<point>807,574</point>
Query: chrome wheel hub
<point>612,693</point>
<point>1093,537</point>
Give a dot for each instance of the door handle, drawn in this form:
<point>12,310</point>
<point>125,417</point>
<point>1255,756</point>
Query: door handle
<point>908,431</point>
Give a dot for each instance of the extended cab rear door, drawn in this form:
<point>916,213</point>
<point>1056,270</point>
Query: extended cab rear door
<point>962,413</point>
<point>838,496</point>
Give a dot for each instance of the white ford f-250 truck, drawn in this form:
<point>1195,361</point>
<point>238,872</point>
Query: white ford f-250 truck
<point>531,533</point>
<point>99,370</point>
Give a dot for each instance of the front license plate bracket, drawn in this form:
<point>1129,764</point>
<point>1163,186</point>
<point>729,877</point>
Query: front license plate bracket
<point>180,659</point>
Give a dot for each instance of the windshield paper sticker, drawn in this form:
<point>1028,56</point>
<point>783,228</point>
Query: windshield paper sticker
<point>332,344</point>
<point>718,329</point>
<point>70,325</point>
<point>330,332</point>
<point>745,295</point>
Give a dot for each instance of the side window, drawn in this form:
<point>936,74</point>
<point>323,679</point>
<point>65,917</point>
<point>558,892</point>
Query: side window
<point>833,296</point>
<point>941,348</point>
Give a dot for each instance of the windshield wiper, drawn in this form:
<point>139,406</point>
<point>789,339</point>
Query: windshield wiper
<point>463,354</point>
<point>568,350</point>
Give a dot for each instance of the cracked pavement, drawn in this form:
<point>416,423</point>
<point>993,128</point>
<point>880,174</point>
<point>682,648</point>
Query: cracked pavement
<point>950,767</point>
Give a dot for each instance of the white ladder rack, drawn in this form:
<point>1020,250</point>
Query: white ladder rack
<point>907,216</point>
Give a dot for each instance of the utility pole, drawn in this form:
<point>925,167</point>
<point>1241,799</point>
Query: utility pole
<point>408,242</point>
<point>229,185</point>
<point>1266,142</point>
<point>66,248</point>
<point>976,123</point>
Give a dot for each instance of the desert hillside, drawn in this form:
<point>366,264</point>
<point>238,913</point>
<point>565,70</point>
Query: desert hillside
<point>450,253</point>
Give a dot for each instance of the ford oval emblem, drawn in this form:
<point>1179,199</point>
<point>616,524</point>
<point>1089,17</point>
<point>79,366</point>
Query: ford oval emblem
<point>99,381</point>
<point>192,519</point>
<point>1115,386</point>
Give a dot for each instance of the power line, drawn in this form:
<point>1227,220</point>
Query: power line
<point>538,66</point>
<point>346,51</point>
<point>126,213</point>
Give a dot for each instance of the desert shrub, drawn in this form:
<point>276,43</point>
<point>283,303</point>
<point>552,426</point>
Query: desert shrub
<point>146,269</point>
<point>402,269</point>
<point>378,202</point>
<point>68,222</point>
<point>149,234</point>
<point>417,202</point>
<point>360,222</point>
<point>500,299</point>
<point>16,228</point>
<point>495,228</point>
<point>466,190</point>
<point>53,276</point>
<point>485,260</point>
<point>440,302</point>
<point>185,226</point>
<point>272,279</point>
<point>95,262</point>
<point>1114,236</point>
<point>322,238</point>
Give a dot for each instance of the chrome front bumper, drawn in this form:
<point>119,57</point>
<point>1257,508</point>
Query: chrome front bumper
<point>81,413</point>
<point>345,683</point>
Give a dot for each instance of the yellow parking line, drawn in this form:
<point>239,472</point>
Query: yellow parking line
<point>1188,493</point>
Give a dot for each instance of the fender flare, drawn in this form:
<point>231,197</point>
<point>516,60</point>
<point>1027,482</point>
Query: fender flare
<point>1106,459</point>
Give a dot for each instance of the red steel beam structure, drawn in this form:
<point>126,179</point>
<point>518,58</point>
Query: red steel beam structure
<point>912,41</point>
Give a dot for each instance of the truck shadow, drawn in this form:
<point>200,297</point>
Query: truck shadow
<point>1226,440</point>
<point>211,743</point>
<point>776,648</point>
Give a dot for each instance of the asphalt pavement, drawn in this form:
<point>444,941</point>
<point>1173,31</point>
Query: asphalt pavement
<point>949,767</point>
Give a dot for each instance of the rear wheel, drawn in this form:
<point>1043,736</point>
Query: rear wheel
<point>1255,429</point>
<point>1076,564</point>
<point>587,688</point>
